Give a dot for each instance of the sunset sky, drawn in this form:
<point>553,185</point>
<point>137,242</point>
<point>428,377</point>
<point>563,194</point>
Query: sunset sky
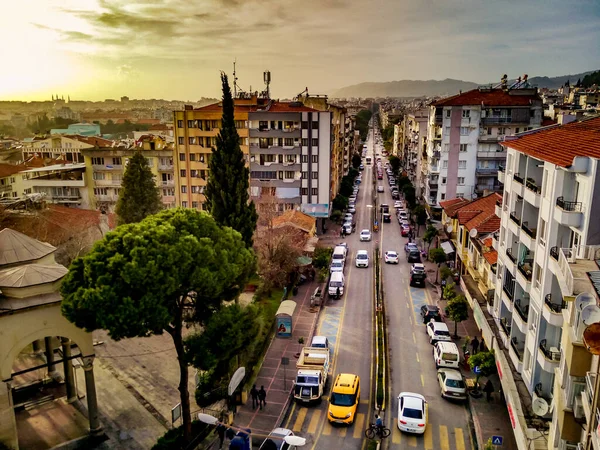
<point>174,49</point>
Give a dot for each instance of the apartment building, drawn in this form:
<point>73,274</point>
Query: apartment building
<point>548,248</point>
<point>66,147</point>
<point>414,148</point>
<point>61,183</point>
<point>290,154</point>
<point>463,150</point>
<point>105,167</point>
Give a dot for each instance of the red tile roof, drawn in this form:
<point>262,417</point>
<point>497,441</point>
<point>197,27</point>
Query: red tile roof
<point>480,214</point>
<point>560,144</point>
<point>490,255</point>
<point>548,122</point>
<point>7,170</point>
<point>487,97</point>
<point>450,206</point>
<point>295,219</point>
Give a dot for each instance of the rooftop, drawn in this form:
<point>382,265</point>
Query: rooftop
<point>562,143</point>
<point>295,219</point>
<point>452,205</point>
<point>477,214</point>
<point>490,255</point>
<point>17,247</point>
<point>489,97</point>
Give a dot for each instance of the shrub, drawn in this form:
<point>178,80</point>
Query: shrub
<point>173,439</point>
<point>322,257</point>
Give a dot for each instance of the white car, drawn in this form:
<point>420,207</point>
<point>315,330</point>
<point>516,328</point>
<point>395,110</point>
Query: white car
<point>398,204</point>
<point>362,258</point>
<point>379,188</point>
<point>365,235</point>
<point>417,268</point>
<point>452,385</point>
<point>347,227</point>
<point>275,440</point>
<point>391,257</point>
<point>336,266</point>
<point>412,413</point>
<point>352,209</point>
<point>348,217</point>
<point>438,331</point>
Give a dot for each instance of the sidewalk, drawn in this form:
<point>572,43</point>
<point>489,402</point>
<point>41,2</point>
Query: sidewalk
<point>489,419</point>
<point>276,378</point>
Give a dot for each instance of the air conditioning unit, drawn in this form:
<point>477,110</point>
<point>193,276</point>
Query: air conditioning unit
<point>578,411</point>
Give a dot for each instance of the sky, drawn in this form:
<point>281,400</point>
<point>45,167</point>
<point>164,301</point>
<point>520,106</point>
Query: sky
<point>175,49</point>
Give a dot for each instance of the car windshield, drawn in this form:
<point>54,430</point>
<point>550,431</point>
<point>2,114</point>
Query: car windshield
<point>413,413</point>
<point>342,399</point>
<point>335,284</point>
<point>455,384</point>
<point>362,256</point>
<point>442,333</point>
<point>336,264</point>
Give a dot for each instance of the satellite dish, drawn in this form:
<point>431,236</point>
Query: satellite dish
<point>473,233</point>
<point>449,229</point>
<point>591,338</point>
<point>590,314</point>
<point>583,299</point>
<point>539,406</point>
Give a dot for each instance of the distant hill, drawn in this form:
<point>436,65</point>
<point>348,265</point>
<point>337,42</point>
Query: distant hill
<point>419,88</point>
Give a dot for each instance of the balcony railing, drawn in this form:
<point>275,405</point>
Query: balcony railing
<point>518,178</point>
<point>590,385</point>
<point>523,310</point>
<point>568,206</point>
<point>500,168</point>
<point>499,203</point>
<point>514,218</point>
<point>486,170</point>
<point>532,186</point>
<point>505,326</point>
<point>496,120</point>
<point>530,232</point>
<point>526,268</point>
<point>510,255</point>
<point>509,291</point>
<point>554,307</point>
<point>552,356</point>
<point>554,253</point>
<point>514,343</point>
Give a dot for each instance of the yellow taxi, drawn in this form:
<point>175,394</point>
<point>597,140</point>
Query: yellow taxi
<point>344,399</point>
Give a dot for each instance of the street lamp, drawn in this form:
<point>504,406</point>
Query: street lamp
<point>212,420</point>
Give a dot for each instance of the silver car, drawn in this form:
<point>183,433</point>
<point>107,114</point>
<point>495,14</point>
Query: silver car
<point>452,384</point>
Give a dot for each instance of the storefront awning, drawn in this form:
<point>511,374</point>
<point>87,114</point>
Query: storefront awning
<point>447,246</point>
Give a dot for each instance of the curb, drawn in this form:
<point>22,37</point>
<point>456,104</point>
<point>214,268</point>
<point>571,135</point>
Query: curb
<point>476,428</point>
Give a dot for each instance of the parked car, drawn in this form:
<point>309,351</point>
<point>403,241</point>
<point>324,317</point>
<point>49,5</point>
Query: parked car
<point>404,230</point>
<point>275,440</point>
<point>410,246</point>
<point>379,188</point>
<point>452,384</point>
<point>336,266</point>
<point>438,332</point>
<point>395,195</point>
<point>429,312</point>
<point>352,209</point>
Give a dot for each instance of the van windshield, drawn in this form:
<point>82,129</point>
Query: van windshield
<point>335,284</point>
<point>442,333</point>
<point>338,255</point>
<point>303,379</point>
<point>450,356</point>
<point>342,399</point>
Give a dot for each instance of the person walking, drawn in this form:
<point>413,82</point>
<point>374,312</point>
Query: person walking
<point>262,397</point>
<point>338,293</point>
<point>488,389</point>
<point>221,433</point>
<point>475,345</point>
<point>254,395</point>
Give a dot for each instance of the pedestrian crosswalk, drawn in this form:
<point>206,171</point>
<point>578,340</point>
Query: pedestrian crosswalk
<point>313,421</point>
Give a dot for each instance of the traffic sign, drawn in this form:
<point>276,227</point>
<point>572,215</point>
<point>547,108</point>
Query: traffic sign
<point>497,440</point>
<point>477,369</point>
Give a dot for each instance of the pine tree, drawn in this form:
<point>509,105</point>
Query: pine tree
<point>228,181</point>
<point>139,195</point>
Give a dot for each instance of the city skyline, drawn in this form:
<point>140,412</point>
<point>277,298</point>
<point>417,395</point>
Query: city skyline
<point>172,49</point>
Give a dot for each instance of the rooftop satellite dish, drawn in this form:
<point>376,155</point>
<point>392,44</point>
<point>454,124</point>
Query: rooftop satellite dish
<point>449,229</point>
<point>539,406</point>
<point>473,233</point>
<point>590,314</point>
<point>583,299</point>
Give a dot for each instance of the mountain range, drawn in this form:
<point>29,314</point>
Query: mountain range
<point>420,88</point>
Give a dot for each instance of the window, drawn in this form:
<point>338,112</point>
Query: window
<point>216,123</point>
<point>304,125</point>
<point>99,176</point>
<point>192,157</point>
<point>180,124</point>
<point>542,232</point>
<point>304,142</point>
<point>462,164</point>
<point>315,142</point>
<point>304,158</point>
<point>488,131</point>
<point>448,113</point>
<point>315,124</point>
<point>501,131</point>
<point>304,191</point>
<point>466,113</point>
<point>290,158</point>
<point>460,195</point>
<point>201,157</point>
<point>192,140</point>
<point>314,175</point>
<point>184,189</point>
<point>194,204</point>
<point>305,175</point>
<point>314,191</point>
<point>263,125</point>
<point>315,158</point>
<point>463,147</point>
<point>280,174</point>
<point>537,275</point>
<point>289,174</point>
<point>182,173</point>
<point>446,147</point>
<point>269,158</point>
<point>545,182</point>
<point>443,180</point>
<point>444,164</point>
<point>464,131</point>
<point>527,361</point>
<point>447,131</point>
<point>460,181</point>
<point>98,161</point>
<point>288,142</point>
<point>100,191</point>
<point>192,124</point>
<point>184,204</point>
<point>195,189</point>
<point>517,130</point>
<point>240,124</point>
<point>181,140</point>
<point>442,196</point>
<point>193,173</point>
<point>213,141</point>
<point>182,157</point>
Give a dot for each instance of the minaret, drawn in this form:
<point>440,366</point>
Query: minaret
<point>52,97</point>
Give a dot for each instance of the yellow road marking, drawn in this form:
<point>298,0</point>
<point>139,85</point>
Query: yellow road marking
<point>407,306</point>
<point>418,359</point>
<point>428,439</point>
<point>411,322</point>
<point>460,439</point>
<point>342,432</point>
<point>326,429</point>
<point>314,421</point>
<point>300,419</point>
<point>359,426</point>
<point>444,444</point>
<point>415,341</point>
<point>396,434</point>
<point>287,424</point>
<point>412,441</point>
<point>422,381</point>
<point>364,402</point>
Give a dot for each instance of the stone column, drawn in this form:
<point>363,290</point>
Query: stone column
<point>8,424</point>
<point>50,356</point>
<point>68,369</point>
<point>90,389</point>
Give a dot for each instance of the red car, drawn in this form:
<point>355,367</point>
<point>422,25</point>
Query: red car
<point>405,229</point>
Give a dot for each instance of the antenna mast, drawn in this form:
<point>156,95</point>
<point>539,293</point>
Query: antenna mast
<point>234,80</point>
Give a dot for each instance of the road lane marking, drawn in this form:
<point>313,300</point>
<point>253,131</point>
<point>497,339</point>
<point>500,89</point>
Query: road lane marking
<point>326,431</point>
<point>444,444</point>
<point>418,360</point>
<point>342,432</point>
<point>396,434</point>
<point>300,419</point>
<point>411,322</point>
<point>407,306</point>
<point>359,426</point>
<point>422,381</point>
<point>314,421</point>
<point>287,423</point>
<point>415,341</point>
<point>412,441</point>
<point>428,439</point>
<point>460,439</point>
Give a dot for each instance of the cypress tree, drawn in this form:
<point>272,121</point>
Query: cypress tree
<point>228,181</point>
<point>139,196</point>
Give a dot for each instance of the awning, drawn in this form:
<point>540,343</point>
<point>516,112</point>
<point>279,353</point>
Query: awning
<point>447,246</point>
<point>286,307</point>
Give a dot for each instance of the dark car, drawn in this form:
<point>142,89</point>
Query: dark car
<point>429,312</point>
<point>395,195</point>
<point>387,218</point>
<point>413,256</point>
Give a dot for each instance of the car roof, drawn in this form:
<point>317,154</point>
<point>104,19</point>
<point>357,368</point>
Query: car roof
<point>412,400</point>
<point>451,373</point>
<point>364,231</point>
<point>319,339</point>
<point>362,252</point>
<point>432,307</point>
<point>447,346</point>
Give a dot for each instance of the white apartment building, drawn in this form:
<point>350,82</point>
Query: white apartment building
<point>548,247</point>
<point>415,143</point>
<point>463,150</point>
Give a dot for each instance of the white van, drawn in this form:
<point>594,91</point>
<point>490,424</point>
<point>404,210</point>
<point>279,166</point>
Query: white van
<point>336,281</point>
<point>438,331</point>
<point>339,254</point>
<point>445,354</point>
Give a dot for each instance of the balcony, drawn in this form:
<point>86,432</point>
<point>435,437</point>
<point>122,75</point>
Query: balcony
<point>498,208</point>
<point>486,171</point>
<point>501,174</point>
<point>487,138</point>
<point>531,232</point>
<point>518,349</point>
<point>518,178</point>
<point>495,238</point>
<point>107,182</point>
<point>167,183</point>
<point>505,326</point>
<point>439,118</point>
<point>496,120</point>
<point>568,213</point>
<point>523,310</point>
<point>532,186</point>
<point>165,167</point>
<point>572,275</point>
<point>514,218</point>
<point>510,255</point>
<point>526,268</point>
<point>554,253</point>
<point>552,312</point>
<point>548,357</point>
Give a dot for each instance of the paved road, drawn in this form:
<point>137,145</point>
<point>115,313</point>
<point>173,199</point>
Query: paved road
<point>411,366</point>
<point>348,324</point>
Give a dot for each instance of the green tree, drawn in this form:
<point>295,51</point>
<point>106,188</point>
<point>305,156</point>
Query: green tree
<point>448,292</point>
<point>486,361</point>
<point>148,277</point>
<point>356,160</point>
<point>340,203</point>
<point>394,163</point>
<point>139,196</point>
<point>420,216</point>
<point>228,181</point>
<point>430,234</point>
<point>445,273</point>
<point>458,310</point>
<point>438,256</point>
<point>362,123</point>
<point>590,79</point>
<point>409,195</point>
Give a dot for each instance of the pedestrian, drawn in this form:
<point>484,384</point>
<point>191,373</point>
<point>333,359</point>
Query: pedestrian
<point>488,389</point>
<point>475,345</point>
<point>230,434</point>
<point>254,394</point>
<point>262,397</point>
<point>338,293</point>
<point>342,232</point>
<point>221,432</point>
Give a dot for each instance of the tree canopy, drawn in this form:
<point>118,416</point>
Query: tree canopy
<point>362,123</point>
<point>486,361</point>
<point>356,160</point>
<point>590,79</point>
<point>148,277</point>
<point>139,196</point>
<point>458,310</point>
<point>430,234</point>
<point>227,196</point>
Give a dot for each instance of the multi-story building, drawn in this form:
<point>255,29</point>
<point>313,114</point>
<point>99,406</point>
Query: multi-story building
<point>63,184</point>
<point>548,248</point>
<point>66,147</point>
<point>414,148</point>
<point>463,152</point>
<point>105,167</point>
<point>290,153</point>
